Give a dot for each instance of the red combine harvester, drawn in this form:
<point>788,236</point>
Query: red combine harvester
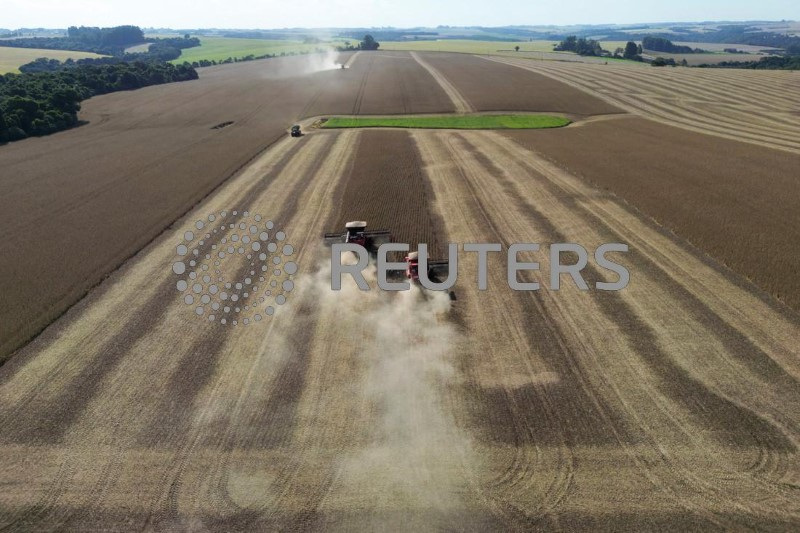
<point>356,232</point>
<point>437,270</point>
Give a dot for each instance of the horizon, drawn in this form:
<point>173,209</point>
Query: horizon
<point>375,14</point>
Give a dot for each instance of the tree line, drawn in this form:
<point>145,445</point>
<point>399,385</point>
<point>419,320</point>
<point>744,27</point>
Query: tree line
<point>33,104</point>
<point>109,42</point>
<point>580,45</point>
<point>660,44</point>
<point>368,43</point>
<point>116,36</point>
<point>787,62</point>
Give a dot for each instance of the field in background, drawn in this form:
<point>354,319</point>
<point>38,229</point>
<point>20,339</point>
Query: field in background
<point>221,48</point>
<point>12,58</point>
<point>539,49</point>
<point>531,49</point>
<point>752,106</point>
<point>462,122</point>
<point>138,49</point>
<point>469,46</point>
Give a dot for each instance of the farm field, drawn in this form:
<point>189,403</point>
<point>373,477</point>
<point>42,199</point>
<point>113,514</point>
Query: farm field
<point>221,48</point>
<point>671,405</point>
<point>152,153</point>
<point>491,86</point>
<point>537,49</point>
<point>704,188</point>
<point>543,50</point>
<point>705,59</point>
<point>758,107</point>
<point>469,46</point>
<point>12,58</point>
<point>720,47</point>
<point>138,49</point>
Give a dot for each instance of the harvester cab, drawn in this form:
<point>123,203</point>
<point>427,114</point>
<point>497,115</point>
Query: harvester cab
<point>356,232</point>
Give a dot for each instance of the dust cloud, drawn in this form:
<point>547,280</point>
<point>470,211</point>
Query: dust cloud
<point>414,467</point>
<point>303,65</point>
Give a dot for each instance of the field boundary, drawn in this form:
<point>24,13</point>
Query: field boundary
<point>487,121</point>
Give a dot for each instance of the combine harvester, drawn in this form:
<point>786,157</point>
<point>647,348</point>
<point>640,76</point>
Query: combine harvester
<point>356,232</point>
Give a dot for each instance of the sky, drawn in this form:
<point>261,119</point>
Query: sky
<point>269,14</point>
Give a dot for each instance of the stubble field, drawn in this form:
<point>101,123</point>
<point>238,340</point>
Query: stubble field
<point>671,405</point>
<point>758,107</point>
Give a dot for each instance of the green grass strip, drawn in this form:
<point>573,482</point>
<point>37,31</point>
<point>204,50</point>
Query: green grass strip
<point>459,122</point>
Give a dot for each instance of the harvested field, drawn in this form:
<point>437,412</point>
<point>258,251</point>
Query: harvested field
<point>705,59</point>
<point>373,85</point>
<point>147,156</point>
<point>671,405</point>
<point>536,49</point>
<point>366,410</point>
<point>489,86</point>
<point>387,188</point>
<point>737,202</point>
<point>758,107</point>
<point>397,85</point>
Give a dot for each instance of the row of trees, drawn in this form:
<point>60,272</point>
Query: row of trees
<point>116,36</point>
<point>368,43</point>
<point>581,46</point>
<point>660,44</point>
<point>33,104</point>
<point>787,62</point>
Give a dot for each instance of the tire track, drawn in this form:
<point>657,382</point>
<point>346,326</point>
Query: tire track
<point>167,511</point>
<point>525,158</point>
<point>459,102</point>
<point>465,221</point>
<point>639,92</point>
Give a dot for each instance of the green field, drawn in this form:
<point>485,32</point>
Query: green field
<point>459,122</point>
<point>221,48</point>
<point>12,58</point>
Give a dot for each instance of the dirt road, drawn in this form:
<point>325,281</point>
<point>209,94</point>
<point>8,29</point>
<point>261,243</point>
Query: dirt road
<point>670,405</point>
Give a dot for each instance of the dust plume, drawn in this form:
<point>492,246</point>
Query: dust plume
<point>303,65</point>
<point>413,468</point>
